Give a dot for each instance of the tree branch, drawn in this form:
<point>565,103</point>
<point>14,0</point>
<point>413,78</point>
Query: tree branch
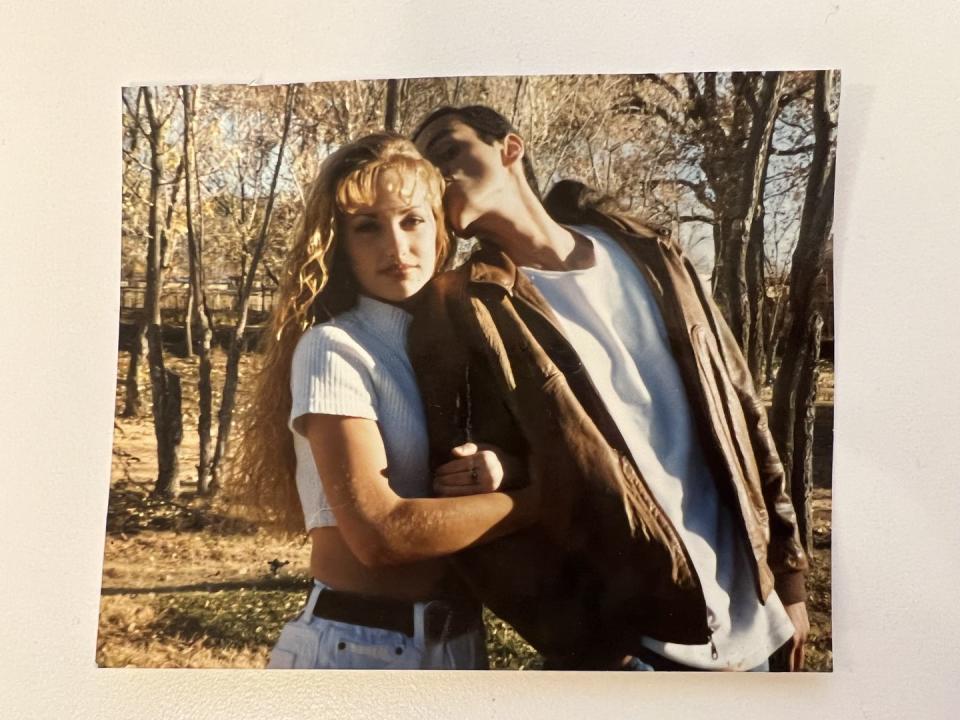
<point>710,90</point>
<point>639,105</point>
<point>135,112</point>
<point>692,90</point>
<point>269,272</point>
<point>660,82</point>
<point>793,151</point>
<point>795,94</point>
<point>746,86</point>
<point>699,188</point>
<point>135,160</point>
<point>792,124</point>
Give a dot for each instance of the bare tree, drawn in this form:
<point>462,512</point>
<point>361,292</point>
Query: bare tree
<point>794,392</point>
<point>724,127</point>
<point>164,383</point>
<point>200,312</point>
<point>132,404</point>
<point>228,397</point>
<point>138,347</point>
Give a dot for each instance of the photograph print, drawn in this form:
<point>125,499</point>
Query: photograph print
<point>529,373</point>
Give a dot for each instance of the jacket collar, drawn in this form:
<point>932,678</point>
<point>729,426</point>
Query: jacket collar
<point>492,266</point>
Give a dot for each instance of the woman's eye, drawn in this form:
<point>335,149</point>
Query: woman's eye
<point>413,220</point>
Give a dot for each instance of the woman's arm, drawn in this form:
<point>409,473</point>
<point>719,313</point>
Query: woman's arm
<point>382,528</point>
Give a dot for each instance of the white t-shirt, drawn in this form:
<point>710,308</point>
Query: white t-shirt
<point>612,320</point>
<point>356,365</point>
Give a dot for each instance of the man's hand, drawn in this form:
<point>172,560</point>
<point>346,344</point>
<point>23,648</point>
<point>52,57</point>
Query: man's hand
<point>475,469</point>
<point>801,628</point>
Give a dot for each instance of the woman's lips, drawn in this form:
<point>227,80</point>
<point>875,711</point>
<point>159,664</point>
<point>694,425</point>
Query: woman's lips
<point>398,271</point>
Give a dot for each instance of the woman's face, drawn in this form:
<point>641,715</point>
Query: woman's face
<point>392,244</point>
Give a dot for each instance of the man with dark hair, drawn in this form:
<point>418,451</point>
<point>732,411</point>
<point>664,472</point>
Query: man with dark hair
<point>489,125</point>
<point>585,344</point>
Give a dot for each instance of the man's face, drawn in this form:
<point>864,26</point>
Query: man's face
<point>474,170</point>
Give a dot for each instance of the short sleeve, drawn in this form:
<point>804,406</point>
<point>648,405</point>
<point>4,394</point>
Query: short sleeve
<point>330,375</point>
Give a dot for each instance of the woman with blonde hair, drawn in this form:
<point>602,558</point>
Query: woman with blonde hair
<point>335,441</point>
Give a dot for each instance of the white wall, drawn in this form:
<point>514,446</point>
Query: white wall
<point>895,480</point>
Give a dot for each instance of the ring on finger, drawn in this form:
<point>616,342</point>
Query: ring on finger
<point>473,472</point>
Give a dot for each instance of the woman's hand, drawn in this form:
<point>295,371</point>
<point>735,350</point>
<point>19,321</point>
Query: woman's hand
<point>475,469</point>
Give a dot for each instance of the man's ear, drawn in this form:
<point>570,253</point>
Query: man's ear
<point>513,149</point>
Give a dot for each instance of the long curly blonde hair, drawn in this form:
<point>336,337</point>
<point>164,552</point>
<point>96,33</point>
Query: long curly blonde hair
<point>316,284</point>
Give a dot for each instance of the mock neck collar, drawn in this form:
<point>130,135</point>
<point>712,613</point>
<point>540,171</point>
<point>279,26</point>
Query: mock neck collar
<point>386,321</point>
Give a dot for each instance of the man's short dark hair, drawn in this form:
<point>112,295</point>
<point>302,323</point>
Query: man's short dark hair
<point>489,125</point>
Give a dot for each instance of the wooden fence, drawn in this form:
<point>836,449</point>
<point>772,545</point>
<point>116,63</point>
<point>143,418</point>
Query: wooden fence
<point>221,297</point>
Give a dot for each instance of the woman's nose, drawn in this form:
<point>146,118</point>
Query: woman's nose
<point>396,240</point>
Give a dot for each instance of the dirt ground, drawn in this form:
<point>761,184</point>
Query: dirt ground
<point>187,585</point>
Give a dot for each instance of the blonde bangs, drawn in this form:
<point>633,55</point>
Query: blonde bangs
<point>400,175</point>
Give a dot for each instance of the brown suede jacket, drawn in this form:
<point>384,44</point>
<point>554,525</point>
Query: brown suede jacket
<point>603,566</point>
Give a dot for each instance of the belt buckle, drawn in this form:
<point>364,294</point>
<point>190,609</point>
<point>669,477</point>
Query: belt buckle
<point>437,616</point>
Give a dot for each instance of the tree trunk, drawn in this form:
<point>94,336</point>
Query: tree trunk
<point>166,248</point>
<point>205,320</point>
<point>801,490</point>
<point>167,416</point>
<point>199,312</point>
<point>132,406</point>
<point>188,318</point>
<point>777,328</point>
<point>516,100</point>
<point>205,421</point>
<point>457,86</point>
<point>392,113</point>
<point>164,384</point>
<point>756,277</point>
<point>794,388</point>
<point>132,403</point>
<point>738,175</point>
<point>231,380</point>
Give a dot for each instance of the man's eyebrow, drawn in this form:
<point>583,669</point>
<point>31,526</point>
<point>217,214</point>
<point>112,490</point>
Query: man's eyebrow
<point>437,138</point>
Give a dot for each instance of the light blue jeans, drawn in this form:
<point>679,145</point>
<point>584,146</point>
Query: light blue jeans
<point>638,664</point>
<point>312,642</point>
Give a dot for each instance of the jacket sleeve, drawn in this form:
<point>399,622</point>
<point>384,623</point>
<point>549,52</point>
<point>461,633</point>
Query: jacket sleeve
<point>439,358</point>
<point>463,398</point>
<point>785,553</point>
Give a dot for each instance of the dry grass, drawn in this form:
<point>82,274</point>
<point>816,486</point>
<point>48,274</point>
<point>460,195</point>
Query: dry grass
<point>131,635</point>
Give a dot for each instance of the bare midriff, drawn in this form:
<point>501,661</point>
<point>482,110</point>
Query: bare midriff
<point>332,563</point>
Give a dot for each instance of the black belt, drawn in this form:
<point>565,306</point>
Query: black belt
<point>442,619</point>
